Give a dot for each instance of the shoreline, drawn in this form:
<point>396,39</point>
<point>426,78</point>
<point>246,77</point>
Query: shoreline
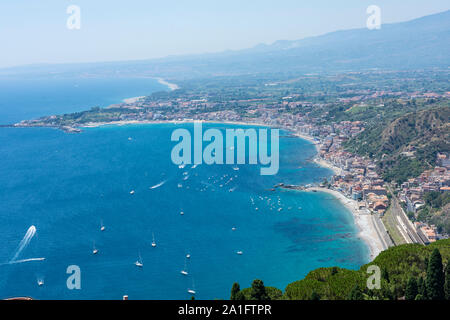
<point>171,86</point>
<point>363,220</point>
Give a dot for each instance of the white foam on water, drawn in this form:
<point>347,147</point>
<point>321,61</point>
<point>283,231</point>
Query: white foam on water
<point>25,241</point>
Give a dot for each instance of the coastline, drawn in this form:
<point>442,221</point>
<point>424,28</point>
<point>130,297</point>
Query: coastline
<point>171,86</point>
<point>362,218</point>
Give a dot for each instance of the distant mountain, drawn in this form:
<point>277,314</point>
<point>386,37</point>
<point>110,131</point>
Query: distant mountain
<point>419,43</point>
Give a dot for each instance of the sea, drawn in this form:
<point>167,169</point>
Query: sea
<point>57,190</point>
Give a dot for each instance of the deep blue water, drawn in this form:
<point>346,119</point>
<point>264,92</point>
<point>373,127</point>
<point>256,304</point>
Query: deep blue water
<point>66,184</point>
<point>22,99</point>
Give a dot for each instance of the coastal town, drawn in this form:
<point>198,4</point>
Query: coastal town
<point>392,207</point>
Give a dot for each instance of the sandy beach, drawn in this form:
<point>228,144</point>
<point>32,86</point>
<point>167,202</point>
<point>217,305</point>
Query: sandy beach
<point>172,86</point>
<point>363,220</point>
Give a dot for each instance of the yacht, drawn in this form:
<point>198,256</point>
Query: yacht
<point>234,228</point>
<point>192,291</point>
<point>132,192</point>
<point>40,282</point>
<point>102,227</point>
<point>182,212</point>
<point>139,262</point>
<point>94,250</point>
<point>153,242</point>
<point>239,252</point>
<point>184,271</point>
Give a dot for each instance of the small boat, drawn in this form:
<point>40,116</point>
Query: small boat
<point>182,213</point>
<point>184,271</point>
<point>102,227</point>
<point>233,229</point>
<point>130,138</point>
<point>192,291</point>
<point>153,242</point>
<point>188,256</point>
<point>239,252</point>
<point>94,250</point>
<point>132,192</point>
<point>139,262</point>
<point>40,282</point>
<point>236,168</point>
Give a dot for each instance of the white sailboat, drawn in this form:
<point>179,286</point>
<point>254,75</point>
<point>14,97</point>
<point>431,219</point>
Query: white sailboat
<point>94,250</point>
<point>184,271</point>
<point>153,241</point>
<point>192,291</point>
<point>139,262</point>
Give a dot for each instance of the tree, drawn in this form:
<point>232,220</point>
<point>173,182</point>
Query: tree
<point>258,291</point>
<point>385,274</point>
<point>421,288</point>
<point>235,289</point>
<point>447,281</point>
<point>356,294</point>
<point>411,289</point>
<point>314,296</point>
<point>435,277</point>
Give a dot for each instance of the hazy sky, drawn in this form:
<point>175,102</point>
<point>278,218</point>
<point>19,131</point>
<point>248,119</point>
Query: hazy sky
<point>34,31</point>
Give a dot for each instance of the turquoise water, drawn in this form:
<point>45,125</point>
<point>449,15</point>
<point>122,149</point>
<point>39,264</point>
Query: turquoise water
<point>66,184</point>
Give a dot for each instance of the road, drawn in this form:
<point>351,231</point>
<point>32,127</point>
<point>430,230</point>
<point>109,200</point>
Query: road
<point>404,225</point>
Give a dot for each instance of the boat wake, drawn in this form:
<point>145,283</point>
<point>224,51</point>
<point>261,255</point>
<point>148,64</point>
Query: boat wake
<point>23,261</point>
<point>25,241</point>
<point>158,185</point>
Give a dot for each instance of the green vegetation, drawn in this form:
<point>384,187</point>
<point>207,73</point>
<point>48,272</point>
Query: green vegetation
<point>436,210</point>
<point>435,277</point>
<point>409,271</point>
<point>256,292</point>
<point>406,145</point>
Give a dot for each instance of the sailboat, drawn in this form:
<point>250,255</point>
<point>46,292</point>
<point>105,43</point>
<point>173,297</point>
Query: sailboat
<point>94,250</point>
<point>153,241</point>
<point>192,291</point>
<point>139,262</point>
<point>184,271</point>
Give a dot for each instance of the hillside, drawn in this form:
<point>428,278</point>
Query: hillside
<point>419,43</point>
<point>397,265</point>
<point>406,146</point>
